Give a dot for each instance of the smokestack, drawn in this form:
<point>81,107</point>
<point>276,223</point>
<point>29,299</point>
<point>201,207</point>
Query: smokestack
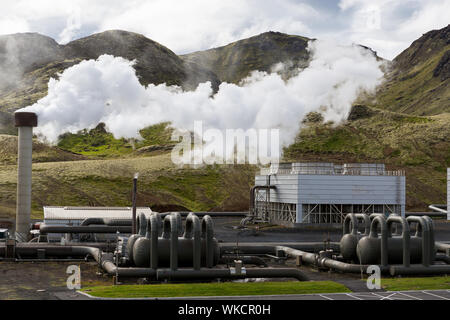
<point>133,218</point>
<point>25,121</point>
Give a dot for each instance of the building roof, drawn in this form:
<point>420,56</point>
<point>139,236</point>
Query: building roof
<point>81,213</point>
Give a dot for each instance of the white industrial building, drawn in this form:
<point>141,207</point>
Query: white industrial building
<point>324,192</point>
<point>73,216</point>
<point>448,193</point>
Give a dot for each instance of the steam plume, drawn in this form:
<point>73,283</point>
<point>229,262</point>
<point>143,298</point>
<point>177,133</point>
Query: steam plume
<point>107,90</point>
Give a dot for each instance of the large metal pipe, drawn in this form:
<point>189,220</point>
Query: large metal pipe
<point>378,220</point>
<point>201,214</point>
<point>141,223</point>
<point>270,247</point>
<point>438,208</point>
<point>226,259</point>
<point>424,227</point>
<point>153,232</point>
<point>443,247</point>
<point>251,208</point>
<point>204,274</point>
<point>208,235</point>
<point>420,269</point>
<point>106,222</point>
<point>24,121</point>
<point>350,237</point>
<point>133,216</point>
<point>144,250</point>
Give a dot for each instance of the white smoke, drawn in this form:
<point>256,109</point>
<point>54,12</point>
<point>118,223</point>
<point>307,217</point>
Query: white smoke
<point>107,90</point>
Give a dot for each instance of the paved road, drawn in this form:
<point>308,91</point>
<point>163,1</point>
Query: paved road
<point>393,295</point>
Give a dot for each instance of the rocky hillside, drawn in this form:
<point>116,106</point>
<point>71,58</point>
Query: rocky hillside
<point>405,125</point>
<point>30,60</point>
<point>233,62</point>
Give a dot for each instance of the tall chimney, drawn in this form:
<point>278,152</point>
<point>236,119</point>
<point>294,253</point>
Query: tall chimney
<point>25,121</point>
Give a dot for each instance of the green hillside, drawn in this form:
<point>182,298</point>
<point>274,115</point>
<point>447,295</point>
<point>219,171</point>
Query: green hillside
<point>419,80</point>
<point>418,145</point>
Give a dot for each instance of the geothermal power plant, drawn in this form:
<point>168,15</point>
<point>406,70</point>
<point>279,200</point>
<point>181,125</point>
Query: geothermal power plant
<point>365,203</point>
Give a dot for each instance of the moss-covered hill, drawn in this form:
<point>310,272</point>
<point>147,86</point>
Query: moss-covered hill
<point>419,80</point>
<point>406,125</point>
<point>418,145</point>
<point>30,60</point>
<point>233,62</point>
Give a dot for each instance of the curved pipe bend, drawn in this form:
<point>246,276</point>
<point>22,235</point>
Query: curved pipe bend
<point>193,229</point>
<point>424,227</point>
<point>152,234</point>
<point>170,231</point>
<point>208,235</point>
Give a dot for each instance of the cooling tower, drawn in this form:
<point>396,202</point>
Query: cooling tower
<point>24,121</point>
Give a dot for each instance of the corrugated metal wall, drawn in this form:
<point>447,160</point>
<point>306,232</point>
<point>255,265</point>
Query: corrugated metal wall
<point>336,189</point>
<point>448,193</point>
<point>287,187</point>
<point>351,189</point>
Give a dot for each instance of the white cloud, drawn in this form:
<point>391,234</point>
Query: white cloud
<point>183,26</point>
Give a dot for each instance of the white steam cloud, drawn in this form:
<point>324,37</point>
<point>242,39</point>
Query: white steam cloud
<point>107,90</point>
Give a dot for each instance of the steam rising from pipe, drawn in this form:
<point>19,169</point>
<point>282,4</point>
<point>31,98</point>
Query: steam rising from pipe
<point>107,90</point>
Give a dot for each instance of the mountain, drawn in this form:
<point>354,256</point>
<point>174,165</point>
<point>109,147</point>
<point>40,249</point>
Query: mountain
<point>31,59</point>
<point>233,62</point>
<point>419,80</point>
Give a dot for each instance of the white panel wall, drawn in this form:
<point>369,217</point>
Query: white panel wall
<point>347,189</point>
<point>448,193</point>
<point>287,187</point>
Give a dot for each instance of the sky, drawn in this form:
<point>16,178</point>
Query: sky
<point>386,26</point>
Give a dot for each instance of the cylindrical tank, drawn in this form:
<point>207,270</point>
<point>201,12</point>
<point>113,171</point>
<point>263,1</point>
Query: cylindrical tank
<point>369,250</point>
<point>351,236</point>
<point>348,246</point>
<point>141,252</point>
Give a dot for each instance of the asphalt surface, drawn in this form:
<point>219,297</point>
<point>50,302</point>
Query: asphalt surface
<point>38,280</point>
<point>392,295</point>
<point>225,230</point>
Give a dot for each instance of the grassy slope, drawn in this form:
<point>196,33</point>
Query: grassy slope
<point>43,59</point>
<point>419,80</point>
<point>416,90</point>
<point>419,145</point>
<point>108,182</point>
<point>41,152</point>
<point>98,143</point>
<point>215,289</point>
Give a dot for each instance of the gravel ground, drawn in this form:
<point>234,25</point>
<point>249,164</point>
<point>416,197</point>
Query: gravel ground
<point>47,280</point>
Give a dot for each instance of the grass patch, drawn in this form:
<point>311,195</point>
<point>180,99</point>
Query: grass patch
<point>215,289</point>
<point>429,283</point>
